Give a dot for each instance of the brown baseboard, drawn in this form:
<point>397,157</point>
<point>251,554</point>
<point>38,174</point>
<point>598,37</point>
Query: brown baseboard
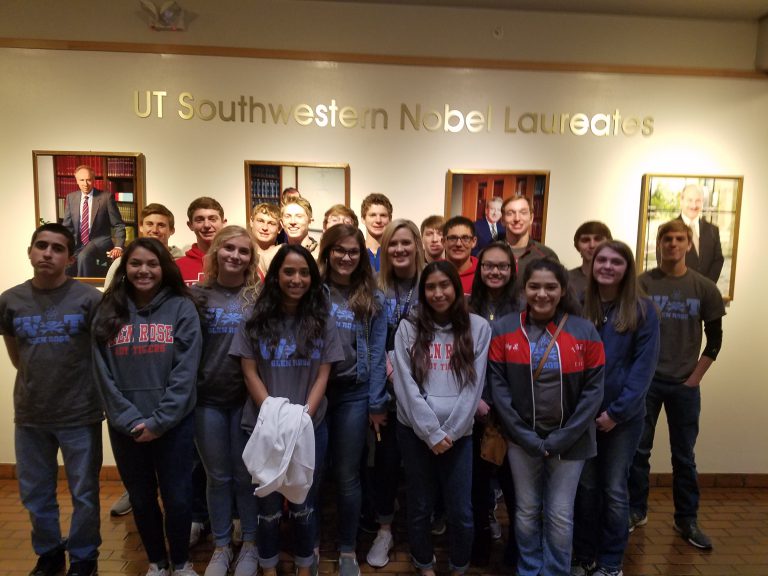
<point>109,473</point>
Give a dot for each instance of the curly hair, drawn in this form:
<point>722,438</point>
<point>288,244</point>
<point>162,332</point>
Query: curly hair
<point>267,321</point>
<point>462,360</point>
<point>251,280</point>
<point>568,302</point>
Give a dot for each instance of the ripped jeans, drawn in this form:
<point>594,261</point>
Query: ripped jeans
<point>304,520</point>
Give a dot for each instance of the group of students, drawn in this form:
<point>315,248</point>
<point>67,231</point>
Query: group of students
<point>368,337</point>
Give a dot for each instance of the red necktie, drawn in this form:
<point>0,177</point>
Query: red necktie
<point>85,223</point>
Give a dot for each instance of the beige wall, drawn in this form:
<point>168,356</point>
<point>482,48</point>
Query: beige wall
<point>84,101</point>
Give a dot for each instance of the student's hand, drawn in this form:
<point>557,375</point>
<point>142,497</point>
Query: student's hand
<point>482,410</point>
<point>693,381</point>
<point>141,433</point>
<point>443,446</point>
<point>377,421</point>
<point>604,422</point>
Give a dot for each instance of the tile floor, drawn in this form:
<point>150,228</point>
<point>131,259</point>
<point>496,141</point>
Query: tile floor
<point>735,518</point>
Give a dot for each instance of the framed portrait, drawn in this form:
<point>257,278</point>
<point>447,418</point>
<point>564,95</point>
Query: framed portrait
<point>711,205</point>
<point>323,185</point>
<point>467,193</point>
<point>116,181</point>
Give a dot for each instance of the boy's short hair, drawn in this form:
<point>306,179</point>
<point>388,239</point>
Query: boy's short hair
<point>592,227</point>
<point>154,208</point>
<point>271,210</point>
<point>343,211</point>
<point>56,228</point>
<point>204,203</point>
<point>303,202</point>
<point>528,201</point>
<point>435,222</point>
<point>675,225</point>
<point>372,199</point>
<point>458,221</point>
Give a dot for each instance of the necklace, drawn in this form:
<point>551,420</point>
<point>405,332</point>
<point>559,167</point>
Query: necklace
<point>402,307</point>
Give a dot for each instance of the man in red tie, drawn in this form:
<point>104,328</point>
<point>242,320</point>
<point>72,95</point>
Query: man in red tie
<point>94,220</point>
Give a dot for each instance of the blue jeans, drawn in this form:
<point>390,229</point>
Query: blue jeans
<point>220,441</point>
<point>347,427</point>
<point>303,516</point>
<point>683,406</point>
<point>452,472</point>
<point>601,526</point>
<point>386,471</point>
<point>545,490</point>
<point>165,463</point>
<point>37,469</point>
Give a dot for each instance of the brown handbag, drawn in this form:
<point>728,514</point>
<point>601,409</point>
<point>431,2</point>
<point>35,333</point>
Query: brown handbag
<point>493,446</point>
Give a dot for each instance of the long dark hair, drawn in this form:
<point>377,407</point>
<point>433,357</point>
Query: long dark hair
<point>480,298</point>
<point>311,314</point>
<point>567,302</point>
<point>114,310</point>
<point>463,357</point>
<point>362,285</point>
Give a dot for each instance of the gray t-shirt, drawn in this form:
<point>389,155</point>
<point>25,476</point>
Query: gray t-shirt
<point>345,324</point>
<point>220,378</point>
<point>54,383</point>
<point>577,283</point>
<point>546,389</point>
<point>284,373</point>
<point>684,303</point>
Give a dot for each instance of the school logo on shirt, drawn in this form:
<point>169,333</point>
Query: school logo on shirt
<point>440,353</point>
<point>144,339</point>
<point>345,318</point>
<point>283,354</point>
<point>677,307</point>
<point>51,327</point>
<point>224,320</point>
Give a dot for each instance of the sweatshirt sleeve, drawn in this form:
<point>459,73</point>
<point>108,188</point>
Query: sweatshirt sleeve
<point>378,398</point>
<point>640,368</point>
<point>463,412</point>
<point>179,397</point>
<point>590,399</point>
<point>410,400</point>
<point>500,384</point>
<point>121,413</point>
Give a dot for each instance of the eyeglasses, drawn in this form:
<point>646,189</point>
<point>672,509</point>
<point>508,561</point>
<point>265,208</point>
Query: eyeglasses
<point>454,239</point>
<point>340,252</point>
<point>490,266</point>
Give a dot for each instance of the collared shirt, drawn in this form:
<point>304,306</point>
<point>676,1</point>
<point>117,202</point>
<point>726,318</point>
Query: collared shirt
<point>694,226</point>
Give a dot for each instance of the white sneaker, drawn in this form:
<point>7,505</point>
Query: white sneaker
<point>196,533</point>
<point>247,563</point>
<point>155,570</point>
<point>186,570</point>
<point>220,561</point>
<point>378,555</point>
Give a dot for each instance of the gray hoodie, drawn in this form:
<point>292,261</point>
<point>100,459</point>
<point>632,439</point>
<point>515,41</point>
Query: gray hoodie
<point>440,407</point>
<point>147,372</point>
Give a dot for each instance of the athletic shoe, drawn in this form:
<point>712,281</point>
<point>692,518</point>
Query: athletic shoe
<point>495,526</point>
<point>348,566</point>
<point>155,570</point>
<point>247,563</point>
<point>636,519</point>
<point>51,563</point>
<point>608,572</point>
<point>186,570</point>
<point>196,533</point>
<point>378,555</point>
<point>582,568</point>
<point>122,506</point>
<point>691,532</point>
<point>220,561</point>
<point>438,525</point>
<point>83,568</point>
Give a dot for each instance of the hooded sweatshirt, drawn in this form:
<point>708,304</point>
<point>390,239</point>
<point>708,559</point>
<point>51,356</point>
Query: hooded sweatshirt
<point>147,372</point>
<point>441,406</point>
<point>191,265</point>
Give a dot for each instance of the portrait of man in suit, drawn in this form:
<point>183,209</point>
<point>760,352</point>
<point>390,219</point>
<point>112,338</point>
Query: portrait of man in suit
<point>491,227</point>
<point>94,219</point>
<point>706,255</point>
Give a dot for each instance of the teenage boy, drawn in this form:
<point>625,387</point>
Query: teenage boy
<point>205,217</point>
<point>156,221</point>
<point>517,213</point>
<point>432,238</point>
<point>265,225</point>
<point>295,218</point>
<point>489,228</point>
<point>459,234</point>
<point>686,300</point>
<point>376,211</point>
<point>339,214</point>
<point>45,323</point>
<point>585,240</point>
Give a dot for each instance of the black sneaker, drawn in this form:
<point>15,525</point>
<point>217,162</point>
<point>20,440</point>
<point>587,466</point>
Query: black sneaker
<point>50,564</point>
<point>691,532</point>
<point>636,519</point>
<point>83,568</point>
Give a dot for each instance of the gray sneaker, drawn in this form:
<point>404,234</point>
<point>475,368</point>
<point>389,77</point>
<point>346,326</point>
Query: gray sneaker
<point>220,561</point>
<point>187,570</point>
<point>691,532</point>
<point>378,555</point>
<point>155,570</point>
<point>247,563</point>
<point>348,566</point>
<point>608,572</point>
<point>122,506</point>
<point>582,568</point>
<point>636,519</point>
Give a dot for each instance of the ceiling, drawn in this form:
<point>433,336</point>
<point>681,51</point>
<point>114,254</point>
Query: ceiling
<point>695,9</point>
